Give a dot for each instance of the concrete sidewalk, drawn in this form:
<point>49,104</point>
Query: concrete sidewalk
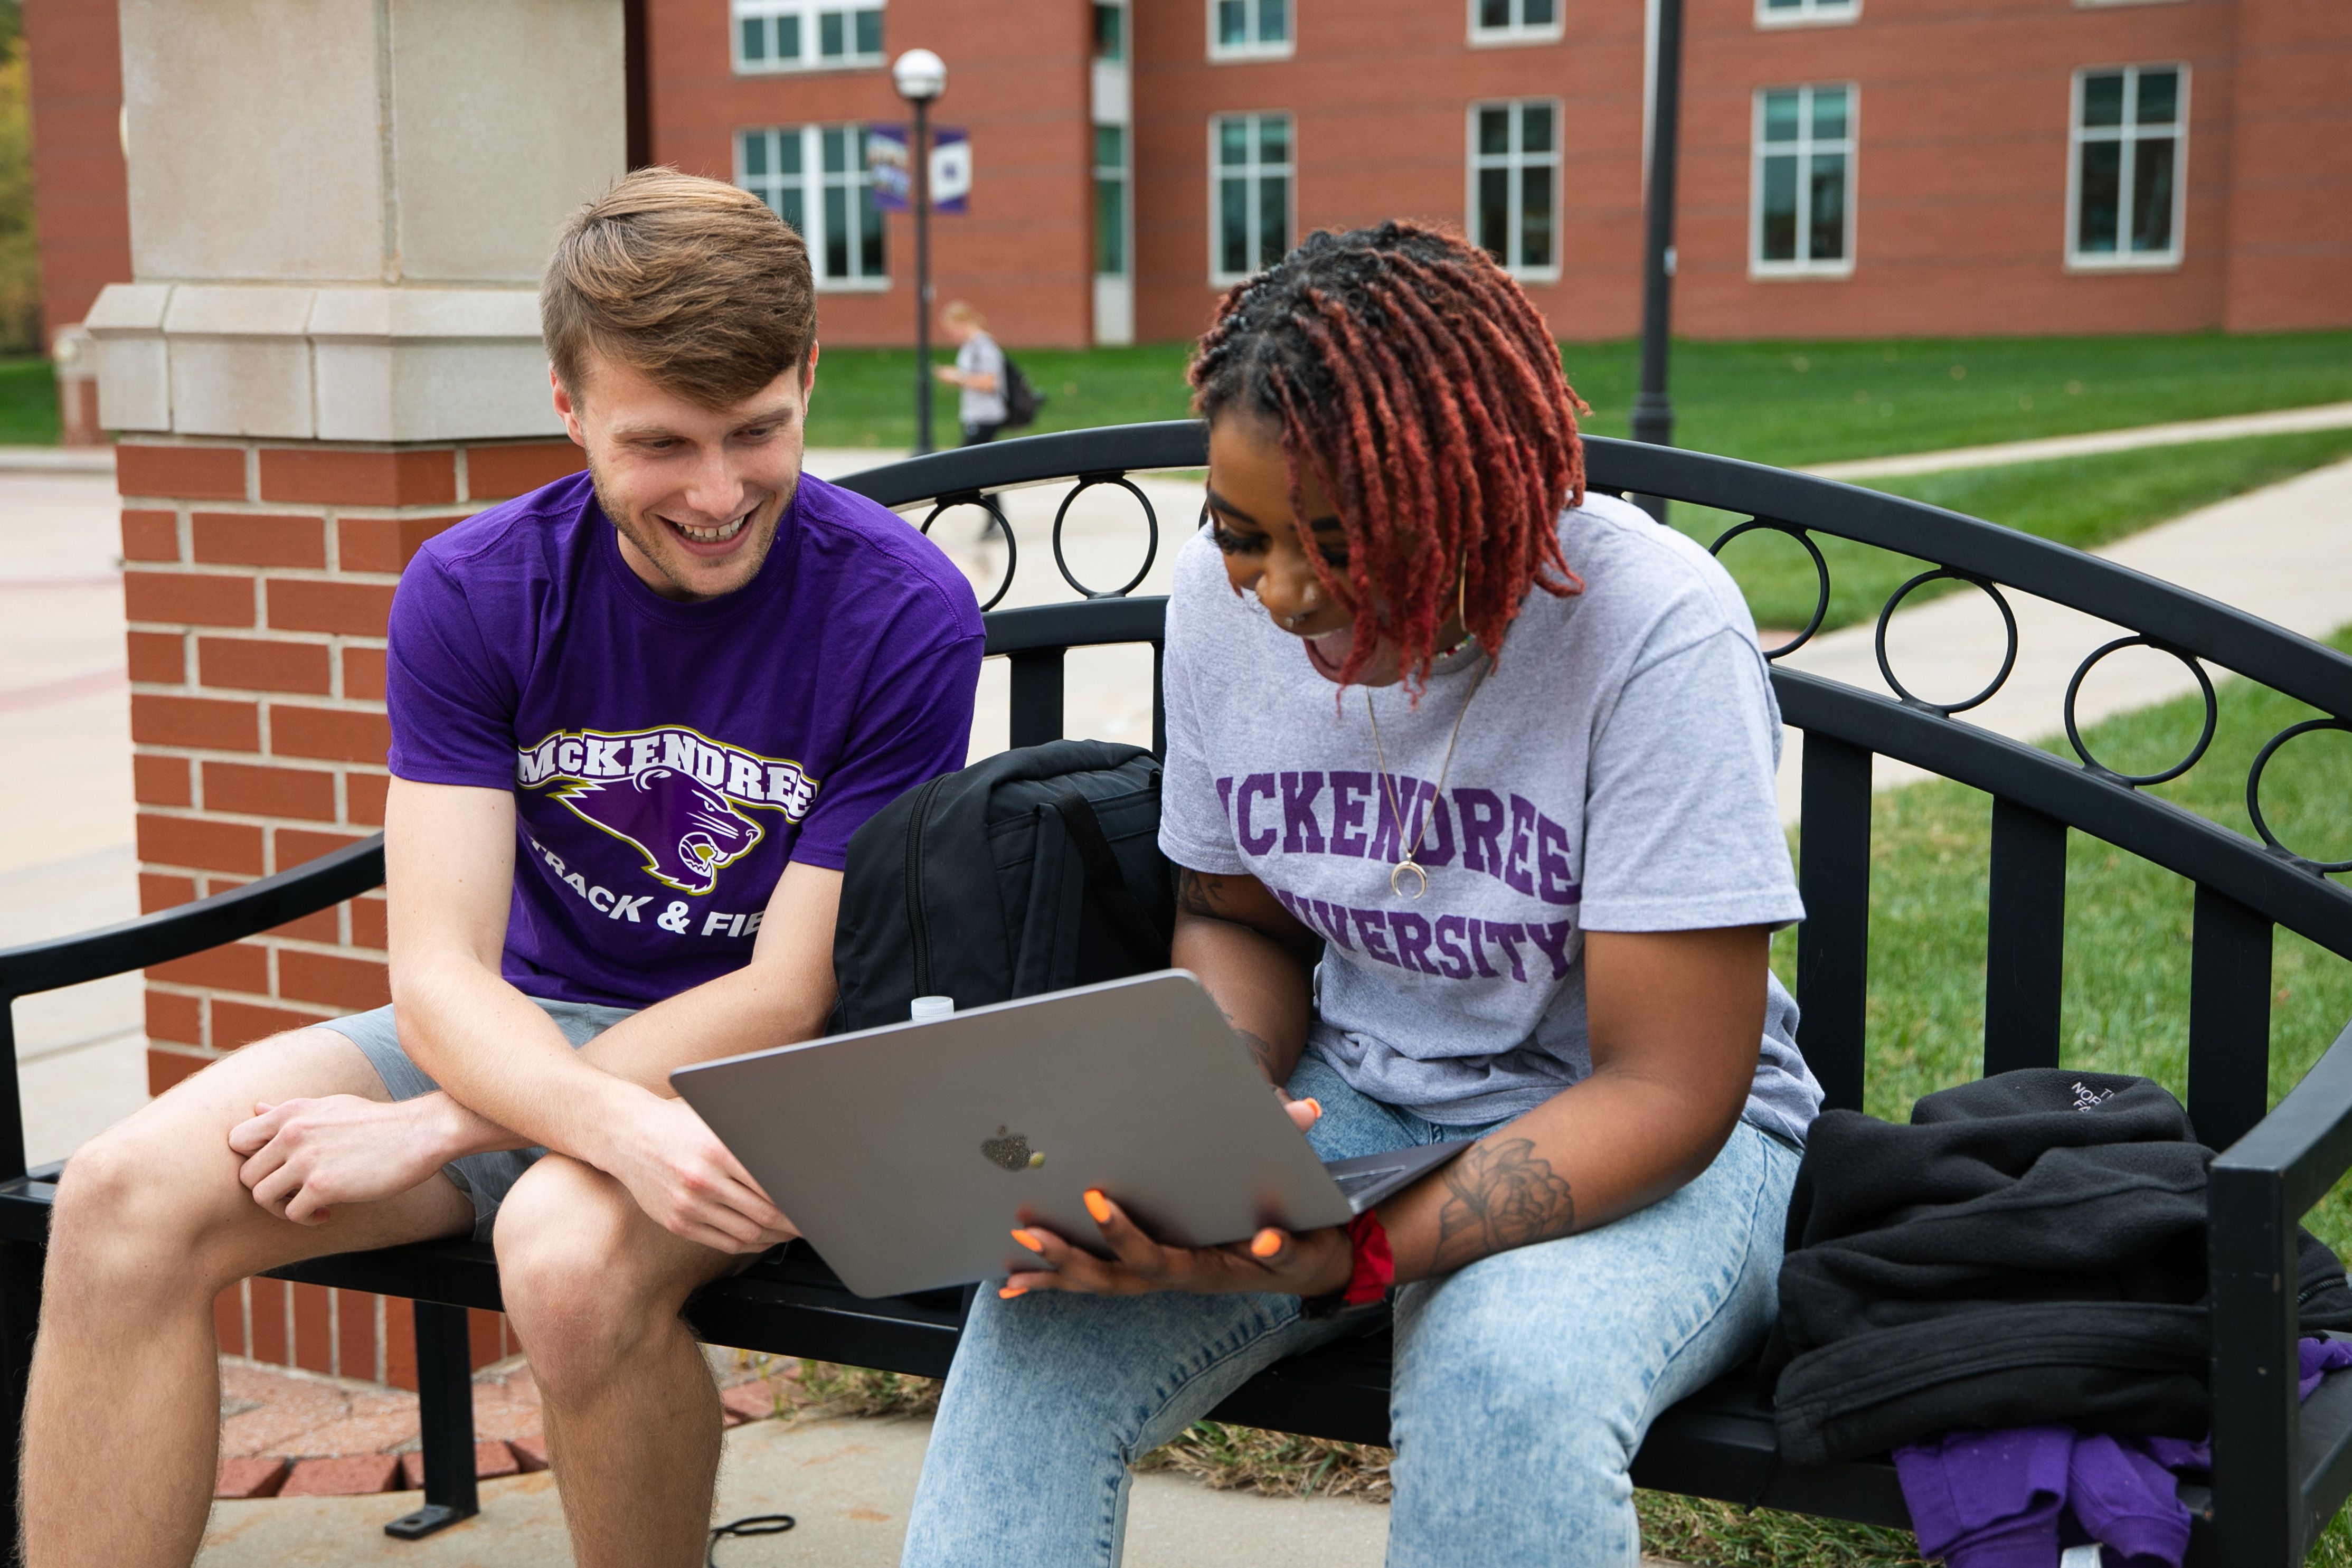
<point>67,863</point>
<point>2283,554</point>
<point>2278,422</point>
<point>847,1482</point>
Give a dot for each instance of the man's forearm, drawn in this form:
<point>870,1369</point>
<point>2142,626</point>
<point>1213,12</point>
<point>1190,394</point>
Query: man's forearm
<point>509,1076</point>
<point>742,1011</point>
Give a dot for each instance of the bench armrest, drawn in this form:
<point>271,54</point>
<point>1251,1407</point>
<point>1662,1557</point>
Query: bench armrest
<point>2271,1498</point>
<point>159,938</point>
<point>172,933</point>
<point>2305,1143</point>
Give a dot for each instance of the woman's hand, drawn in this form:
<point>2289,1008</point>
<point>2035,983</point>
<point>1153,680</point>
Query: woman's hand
<point>1314,1263</point>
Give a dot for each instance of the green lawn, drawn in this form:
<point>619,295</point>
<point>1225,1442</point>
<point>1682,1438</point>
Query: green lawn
<point>2124,1006</point>
<point>1785,403</point>
<point>28,401</point>
<point>2082,501</point>
<point>2125,1003</point>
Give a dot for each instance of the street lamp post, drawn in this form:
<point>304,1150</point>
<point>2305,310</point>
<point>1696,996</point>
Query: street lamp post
<point>1654,411</point>
<point>920,77</point>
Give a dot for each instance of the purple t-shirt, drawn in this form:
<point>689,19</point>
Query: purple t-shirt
<point>668,759</point>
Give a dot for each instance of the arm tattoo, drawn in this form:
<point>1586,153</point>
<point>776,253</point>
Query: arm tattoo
<point>1268,1058</point>
<point>1502,1196</point>
<point>1197,895</point>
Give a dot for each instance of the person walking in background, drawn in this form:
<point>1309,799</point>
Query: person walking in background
<point>979,370</point>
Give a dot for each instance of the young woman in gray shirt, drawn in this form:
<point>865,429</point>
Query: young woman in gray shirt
<point>1470,787</point>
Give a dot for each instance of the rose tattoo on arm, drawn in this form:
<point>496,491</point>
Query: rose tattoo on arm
<point>1500,1197</point>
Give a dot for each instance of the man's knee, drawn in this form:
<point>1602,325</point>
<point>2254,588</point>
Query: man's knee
<point>578,1277</point>
<point>126,1217</point>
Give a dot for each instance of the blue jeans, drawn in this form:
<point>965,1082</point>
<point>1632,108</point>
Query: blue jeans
<point>1522,1386</point>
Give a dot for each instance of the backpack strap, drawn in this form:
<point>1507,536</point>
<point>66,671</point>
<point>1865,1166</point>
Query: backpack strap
<point>1125,910</point>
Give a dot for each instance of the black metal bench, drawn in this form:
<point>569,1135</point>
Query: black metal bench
<point>2280,1471</point>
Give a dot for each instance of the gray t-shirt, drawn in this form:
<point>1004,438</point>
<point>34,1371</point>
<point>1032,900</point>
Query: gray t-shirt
<point>980,356</point>
<point>1615,772</point>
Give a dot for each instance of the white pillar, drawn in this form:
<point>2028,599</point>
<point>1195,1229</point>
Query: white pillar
<point>339,208</point>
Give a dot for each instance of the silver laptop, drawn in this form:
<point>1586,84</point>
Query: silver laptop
<point>907,1153</point>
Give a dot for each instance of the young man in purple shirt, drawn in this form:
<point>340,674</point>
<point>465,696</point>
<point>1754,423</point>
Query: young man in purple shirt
<point>636,717</point>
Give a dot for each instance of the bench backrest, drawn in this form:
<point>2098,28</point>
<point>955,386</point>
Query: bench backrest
<point>2242,888</point>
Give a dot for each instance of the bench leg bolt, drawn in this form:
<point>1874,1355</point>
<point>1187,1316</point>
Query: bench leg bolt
<point>431,1517</point>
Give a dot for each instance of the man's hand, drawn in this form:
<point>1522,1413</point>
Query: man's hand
<point>305,1157</point>
<point>1313,1264</point>
<point>686,1181</point>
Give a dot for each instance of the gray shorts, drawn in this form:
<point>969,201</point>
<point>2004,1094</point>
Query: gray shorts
<point>484,1178</point>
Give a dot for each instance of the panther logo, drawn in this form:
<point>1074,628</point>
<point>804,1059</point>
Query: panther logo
<point>687,831</point>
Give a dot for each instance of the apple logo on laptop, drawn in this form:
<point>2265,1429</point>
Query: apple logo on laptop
<point>1011,1153</point>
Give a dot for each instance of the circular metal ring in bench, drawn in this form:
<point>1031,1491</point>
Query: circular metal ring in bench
<point>2204,684</point>
<point>1151,535</point>
<point>1821,576</point>
<point>2008,658</point>
<point>2254,788</point>
<point>996,520</point>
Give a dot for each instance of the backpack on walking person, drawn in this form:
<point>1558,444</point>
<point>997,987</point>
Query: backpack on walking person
<point>1030,872</point>
<point>1022,400</point>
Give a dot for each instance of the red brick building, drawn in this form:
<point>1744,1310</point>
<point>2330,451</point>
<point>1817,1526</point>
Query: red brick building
<point>1850,167</point>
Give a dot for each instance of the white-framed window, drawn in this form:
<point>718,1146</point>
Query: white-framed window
<point>1806,13</point>
<point>1514,183</point>
<point>805,35</point>
<point>814,176</point>
<point>1249,29</point>
<point>1250,187</point>
<point>1515,21</point>
<point>2125,185</point>
<point>1800,200</point>
<point>1110,201</point>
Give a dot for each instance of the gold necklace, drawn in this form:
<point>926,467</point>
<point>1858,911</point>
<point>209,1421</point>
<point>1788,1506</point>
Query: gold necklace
<point>1421,877</point>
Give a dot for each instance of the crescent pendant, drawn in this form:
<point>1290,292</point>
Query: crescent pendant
<point>1420,879</point>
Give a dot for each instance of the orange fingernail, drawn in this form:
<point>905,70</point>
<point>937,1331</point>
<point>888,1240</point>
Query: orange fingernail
<point>1266,1244</point>
<point>1009,1291</point>
<point>1098,1206</point>
<point>1028,1240</point>
<point>1316,1103</point>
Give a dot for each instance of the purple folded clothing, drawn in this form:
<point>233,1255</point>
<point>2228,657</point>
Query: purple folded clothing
<point>2010,1499</point>
<point>2127,1501</point>
<point>2319,1357</point>
<point>1988,1500</point>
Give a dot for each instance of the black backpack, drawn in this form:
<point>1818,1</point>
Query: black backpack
<point>1022,400</point>
<point>1031,872</point>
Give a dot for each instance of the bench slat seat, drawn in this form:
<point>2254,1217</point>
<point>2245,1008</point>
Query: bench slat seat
<point>2280,1473</point>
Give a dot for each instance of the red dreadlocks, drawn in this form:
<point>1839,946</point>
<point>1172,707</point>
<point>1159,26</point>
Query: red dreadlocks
<point>1422,385</point>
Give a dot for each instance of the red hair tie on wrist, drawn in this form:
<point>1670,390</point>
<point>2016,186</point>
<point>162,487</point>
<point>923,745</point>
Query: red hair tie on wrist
<point>1372,1270</point>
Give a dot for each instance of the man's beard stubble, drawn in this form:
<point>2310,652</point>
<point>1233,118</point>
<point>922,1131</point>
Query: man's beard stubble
<point>647,533</point>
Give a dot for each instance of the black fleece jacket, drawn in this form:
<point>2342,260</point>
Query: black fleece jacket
<point>2029,1249</point>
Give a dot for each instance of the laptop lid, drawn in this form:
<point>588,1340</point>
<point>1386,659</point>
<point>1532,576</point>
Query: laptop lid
<point>906,1153</point>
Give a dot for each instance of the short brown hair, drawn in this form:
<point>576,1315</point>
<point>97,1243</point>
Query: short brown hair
<point>695,283</point>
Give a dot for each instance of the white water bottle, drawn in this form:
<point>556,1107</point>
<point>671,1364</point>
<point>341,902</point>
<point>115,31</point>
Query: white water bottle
<point>926,1008</point>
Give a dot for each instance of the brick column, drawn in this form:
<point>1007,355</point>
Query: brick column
<point>339,213</point>
<point>256,581</point>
